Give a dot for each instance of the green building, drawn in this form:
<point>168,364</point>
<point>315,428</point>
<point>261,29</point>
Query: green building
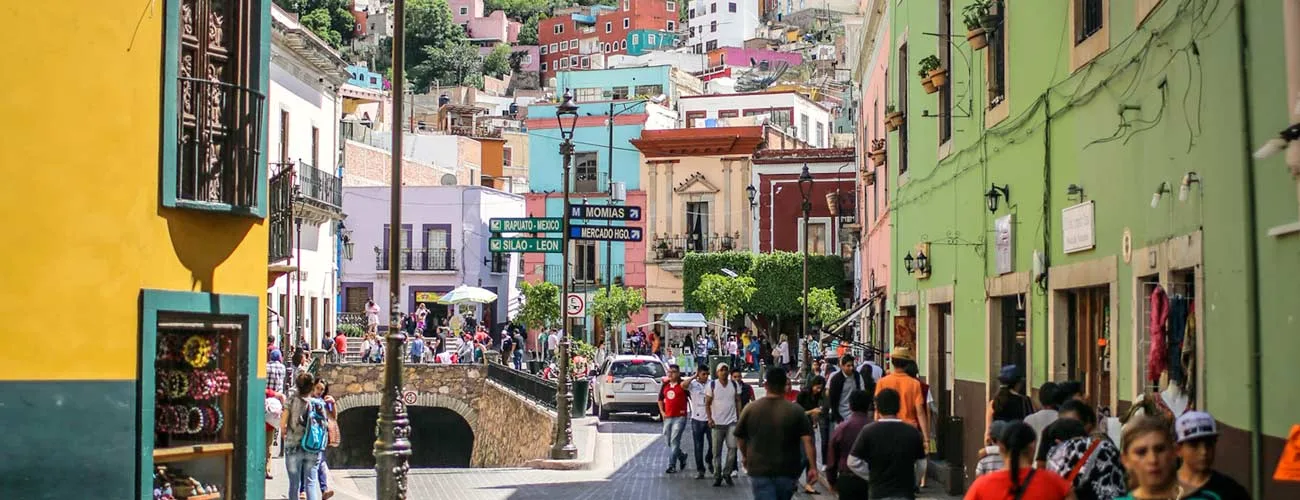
<point>1094,151</point>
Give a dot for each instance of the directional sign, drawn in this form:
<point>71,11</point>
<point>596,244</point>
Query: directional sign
<point>526,245</point>
<point>604,212</point>
<point>576,305</point>
<point>526,225</point>
<point>605,233</point>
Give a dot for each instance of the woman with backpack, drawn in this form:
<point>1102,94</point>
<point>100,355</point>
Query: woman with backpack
<point>1018,480</point>
<point>305,437</point>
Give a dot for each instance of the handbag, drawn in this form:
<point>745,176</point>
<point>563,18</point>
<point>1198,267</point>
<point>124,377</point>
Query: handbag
<point>1074,472</point>
<point>335,434</point>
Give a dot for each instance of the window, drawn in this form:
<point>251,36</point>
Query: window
<point>507,156</point>
<point>728,113</point>
<point>648,90</point>
<point>543,66</point>
<point>618,93</point>
<point>649,39</point>
<point>315,147</point>
<point>543,50</point>
<point>573,61</point>
<point>284,137</point>
<point>691,116</point>
<point>555,47</point>
<point>564,45</point>
<point>587,94</point>
<point>627,23</point>
<point>604,47</point>
<point>622,45</point>
<point>731,7</point>
<point>672,6</point>
<point>562,63</point>
<point>690,14</point>
<point>711,45</point>
<point>557,29</point>
<point>699,48</point>
<point>404,255</point>
<point>1087,19</point>
<point>713,7</point>
<point>672,26</point>
<point>586,61</point>
<point>697,226</point>
<point>627,4</point>
<point>997,60</point>
<point>585,264</point>
<point>945,58</point>
<point>817,235</point>
<point>585,173</point>
<point>500,262</point>
<point>901,104</point>
<point>803,127</point>
<point>820,138</point>
<point>216,131</point>
<point>713,26</point>
<point>464,11</point>
<point>437,254</point>
<point>609,27</point>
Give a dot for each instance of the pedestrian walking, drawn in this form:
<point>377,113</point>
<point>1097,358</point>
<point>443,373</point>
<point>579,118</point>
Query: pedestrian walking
<point>275,372</point>
<point>372,316</point>
<point>417,349</point>
<point>674,397</point>
<point>774,436</point>
<point>1009,404</point>
<point>889,448</point>
<point>912,409</point>
<point>812,399</point>
<point>698,389</point>
<point>1090,462</point>
<point>990,456</point>
<point>1049,399</point>
<point>302,465</point>
<point>517,344</point>
<point>1150,454</point>
<point>848,485</point>
<point>1198,435</point>
<point>1019,480</point>
<point>722,402</point>
<point>838,388</point>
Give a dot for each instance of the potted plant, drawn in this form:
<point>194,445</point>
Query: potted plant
<point>895,117</point>
<point>928,65</point>
<point>878,151</point>
<point>978,22</point>
<point>870,178</point>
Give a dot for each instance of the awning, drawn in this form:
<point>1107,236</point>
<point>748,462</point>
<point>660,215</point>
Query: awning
<point>685,320</point>
<point>849,317</point>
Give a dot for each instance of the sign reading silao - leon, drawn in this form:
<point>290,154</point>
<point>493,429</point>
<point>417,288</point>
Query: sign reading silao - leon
<point>526,225</point>
<point>604,212</point>
<point>527,245</point>
<point>605,233</point>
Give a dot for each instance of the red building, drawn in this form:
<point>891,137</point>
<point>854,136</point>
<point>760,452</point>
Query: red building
<point>780,214</point>
<point>575,35</point>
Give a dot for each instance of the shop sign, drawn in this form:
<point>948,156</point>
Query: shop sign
<point>1004,243</point>
<point>1077,227</point>
<point>427,297</point>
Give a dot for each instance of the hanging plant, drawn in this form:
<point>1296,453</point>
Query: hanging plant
<point>894,116</point>
<point>877,155</point>
<point>928,66</point>
<point>978,23</point>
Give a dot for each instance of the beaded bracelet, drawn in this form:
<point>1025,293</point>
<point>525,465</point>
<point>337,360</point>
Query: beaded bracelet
<point>197,351</point>
<point>177,383</point>
<point>214,419</point>
<point>162,419</point>
<point>208,384</point>
<point>195,423</point>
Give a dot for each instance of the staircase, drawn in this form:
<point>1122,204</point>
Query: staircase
<point>353,353</point>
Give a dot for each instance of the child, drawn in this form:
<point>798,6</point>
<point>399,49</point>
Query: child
<point>990,457</point>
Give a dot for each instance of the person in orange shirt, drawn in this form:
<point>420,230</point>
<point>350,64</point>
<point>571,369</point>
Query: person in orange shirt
<point>912,408</point>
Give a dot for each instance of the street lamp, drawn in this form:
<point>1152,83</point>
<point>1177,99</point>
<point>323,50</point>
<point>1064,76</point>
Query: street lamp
<point>991,197</point>
<point>348,244</point>
<point>805,190</point>
<point>752,193</point>
<point>566,115</point>
<point>907,263</point>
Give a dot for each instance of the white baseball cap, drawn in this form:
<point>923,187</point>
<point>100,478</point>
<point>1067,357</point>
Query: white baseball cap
<point>1195,425</point>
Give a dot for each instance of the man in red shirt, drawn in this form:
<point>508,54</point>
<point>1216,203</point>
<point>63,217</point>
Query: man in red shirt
<point>673,399</point>
<point>341,345</point>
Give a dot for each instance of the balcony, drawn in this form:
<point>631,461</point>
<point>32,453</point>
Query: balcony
<point>479,131</point>
<point>318,185</point>
<point>422,259</point>
<point>219,126</point>
<point>675,247</point>
<point>280,216</point>
<point>581,279</point>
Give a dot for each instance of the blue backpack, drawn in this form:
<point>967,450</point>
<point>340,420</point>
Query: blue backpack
<point>315,433</point>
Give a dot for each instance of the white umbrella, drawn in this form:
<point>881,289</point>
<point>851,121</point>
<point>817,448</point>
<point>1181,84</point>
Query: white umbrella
<point>466,293</point>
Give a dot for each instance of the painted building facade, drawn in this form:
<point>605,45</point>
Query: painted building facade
<point>1111,184</point>
<point>714,24</point>
<point>571,36</point>
<point>775,174</point>
<point>695,183</point>
<point>873,189</point>
<point>160,253</point>
<point>444,245</point>
<point>809,120</point>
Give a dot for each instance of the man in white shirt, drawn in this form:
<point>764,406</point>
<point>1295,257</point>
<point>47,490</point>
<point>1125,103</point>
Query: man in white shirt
<point>722,400</point>
<point>698,388</point>
<point>1050,398</point>
<point>553,342</point>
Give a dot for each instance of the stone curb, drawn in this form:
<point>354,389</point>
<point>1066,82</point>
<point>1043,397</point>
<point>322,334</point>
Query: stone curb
<point>585,461</point>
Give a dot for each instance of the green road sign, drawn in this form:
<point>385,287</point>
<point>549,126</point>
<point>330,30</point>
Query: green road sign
<point>526,225</point>
<point>527,245</point>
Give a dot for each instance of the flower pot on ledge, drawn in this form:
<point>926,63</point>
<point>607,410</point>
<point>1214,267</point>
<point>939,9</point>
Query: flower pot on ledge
<point>870,178</point>
<point>928,84</point>
<point>878,157</point>
<point>895,119</point>
<point>978,38</point>
<point>939,77</point>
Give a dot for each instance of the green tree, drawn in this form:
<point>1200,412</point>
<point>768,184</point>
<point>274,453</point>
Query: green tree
<point>497,62</point>
<point>331,20</point>
<point>616,304</point>
<point>823,306</point>
<point>455,64</point>
<point>724,297</point>
<point>541,305</point>
<point>433,39</point>
<point>528,32</point>
<point>319,22</point>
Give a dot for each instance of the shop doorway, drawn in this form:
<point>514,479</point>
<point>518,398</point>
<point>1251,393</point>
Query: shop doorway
<point>1087,343</point>
<point>941,362</point>
<point>1013,332</point>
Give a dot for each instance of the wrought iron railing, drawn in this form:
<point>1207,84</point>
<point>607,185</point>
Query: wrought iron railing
<point>280,215</point>
<point>219,128</point>
<point>352,318</point>
<point>525,384</point>
<point>423,259</point>
<point>551,273</point>
<point>675,247</point>
<point>319,185</point>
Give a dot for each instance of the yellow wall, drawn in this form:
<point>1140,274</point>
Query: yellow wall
<point>83,228</point>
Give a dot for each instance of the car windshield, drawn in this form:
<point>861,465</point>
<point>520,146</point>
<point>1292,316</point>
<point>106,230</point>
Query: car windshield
<point>637,368</point>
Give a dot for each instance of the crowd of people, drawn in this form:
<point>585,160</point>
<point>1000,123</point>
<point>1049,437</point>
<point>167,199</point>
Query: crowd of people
<point>876,436</point>
<point>298,403</point>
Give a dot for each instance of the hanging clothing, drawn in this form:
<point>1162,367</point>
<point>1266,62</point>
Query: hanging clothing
<point>1189,354</point>
<point>1174,339</point>
<point>1156,357</point>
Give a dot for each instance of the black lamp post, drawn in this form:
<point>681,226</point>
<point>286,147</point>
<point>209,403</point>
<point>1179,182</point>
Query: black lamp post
<point>566,114</point>
<point>922,262</point>
<point>908,263</point>
<point>751,192</point>
<point>805,190</point>
<point>348,244</point>
<point>991,197</point>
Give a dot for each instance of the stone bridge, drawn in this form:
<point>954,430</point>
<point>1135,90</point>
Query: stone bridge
<point>458,417</point>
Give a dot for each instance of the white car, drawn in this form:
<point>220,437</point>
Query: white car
<point>628,384</point>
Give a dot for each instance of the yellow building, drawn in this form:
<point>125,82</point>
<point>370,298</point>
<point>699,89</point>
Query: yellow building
<point>134,203</point>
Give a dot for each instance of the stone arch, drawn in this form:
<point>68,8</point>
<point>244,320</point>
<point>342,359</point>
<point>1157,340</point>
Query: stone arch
<point>421,399</point>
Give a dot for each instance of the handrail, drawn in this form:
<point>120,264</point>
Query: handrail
<point>530,386</point>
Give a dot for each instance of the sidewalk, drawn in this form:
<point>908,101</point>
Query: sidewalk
<point>343,486</point>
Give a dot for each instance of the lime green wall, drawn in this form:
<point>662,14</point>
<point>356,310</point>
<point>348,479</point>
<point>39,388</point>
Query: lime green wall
<point>1065,128</point>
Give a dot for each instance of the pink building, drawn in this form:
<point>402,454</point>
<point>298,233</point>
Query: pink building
<point>481,26</point>
<point>873,195</point>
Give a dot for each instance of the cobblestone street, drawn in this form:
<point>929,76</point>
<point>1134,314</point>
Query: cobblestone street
<point>629,464</point>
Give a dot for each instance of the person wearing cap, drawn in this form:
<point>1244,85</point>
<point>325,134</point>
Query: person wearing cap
<point>1009,404</point>
<point>1197,435</point>
<point>912,408</point>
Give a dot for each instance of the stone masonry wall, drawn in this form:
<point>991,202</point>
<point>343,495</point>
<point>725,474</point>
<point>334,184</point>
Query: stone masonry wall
<point>369,166</point>
<point>508,429</point>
